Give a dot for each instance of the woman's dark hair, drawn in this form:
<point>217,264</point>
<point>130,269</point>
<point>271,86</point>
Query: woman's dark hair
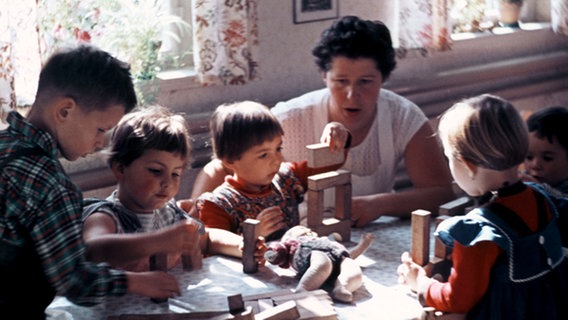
<point>354,38</point>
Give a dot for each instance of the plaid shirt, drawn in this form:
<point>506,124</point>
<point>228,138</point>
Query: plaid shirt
<point>41,207</point>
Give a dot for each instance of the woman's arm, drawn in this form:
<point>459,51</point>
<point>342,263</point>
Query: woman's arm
<point>430,177</point>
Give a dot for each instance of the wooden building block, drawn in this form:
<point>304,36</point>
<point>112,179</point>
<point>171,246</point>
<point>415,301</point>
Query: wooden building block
<point>315,207</point>
<point>249,245</point>
<point>319,155</point>
<point>455,207</point>
<point>420,246</point>
<point>343,201</point>
<point>193,261</point>
<point>159,262</point>
<point>328,179</point>
<point>285,311</point>
<point>331,225</point>
<point>236,303</point>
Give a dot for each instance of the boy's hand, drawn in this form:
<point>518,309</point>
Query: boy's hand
<point>181,237</point>
<point>271,219</point>
<point>336,135</point>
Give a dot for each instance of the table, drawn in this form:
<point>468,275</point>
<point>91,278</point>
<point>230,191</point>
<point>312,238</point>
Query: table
<point>207,289</point>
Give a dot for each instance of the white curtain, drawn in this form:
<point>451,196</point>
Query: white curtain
<point>225,41</point>
<point>20,60</point>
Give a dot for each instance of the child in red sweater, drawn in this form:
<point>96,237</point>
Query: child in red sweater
<point>507,254</point>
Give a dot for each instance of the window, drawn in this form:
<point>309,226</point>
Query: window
<point>152,35</point>
<point>484,15</point>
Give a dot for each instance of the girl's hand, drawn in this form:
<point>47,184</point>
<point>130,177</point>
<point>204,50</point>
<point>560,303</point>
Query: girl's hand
<point>271,219</point>
<point>336,135</point>
<point>410,273</point>
<point>259,250</point>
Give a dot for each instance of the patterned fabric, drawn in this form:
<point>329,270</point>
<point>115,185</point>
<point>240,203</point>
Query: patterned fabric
<point>127,221</point>
<point>285,191</point>
<point>424,25</point>
<point>225,41</point>
<point>40,209</point>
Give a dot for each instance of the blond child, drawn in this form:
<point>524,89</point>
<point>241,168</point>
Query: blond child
<point>507,256</point>
<point>148,153</point>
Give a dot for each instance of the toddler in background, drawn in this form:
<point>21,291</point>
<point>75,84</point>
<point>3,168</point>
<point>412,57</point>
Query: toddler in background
<point>148,152</point>
<point>547,160</point>
<point>507,254</point>
<point>247,138</point>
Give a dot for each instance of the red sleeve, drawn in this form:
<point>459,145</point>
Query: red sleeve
<point>214,216</point>
<point>468,280</point>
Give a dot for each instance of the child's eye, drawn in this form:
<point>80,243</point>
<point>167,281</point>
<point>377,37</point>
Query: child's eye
<point>279,149</point>
<point>155,171</point>
<point>548,159</point>
<point>529,157</point>
<point>101,130</point>
<point>263,155</point>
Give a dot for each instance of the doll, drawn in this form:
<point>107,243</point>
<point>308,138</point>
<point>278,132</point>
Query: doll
<point>320,262</point>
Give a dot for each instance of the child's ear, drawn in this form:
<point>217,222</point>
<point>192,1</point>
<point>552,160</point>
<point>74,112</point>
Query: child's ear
<point>471,168</point>
<point>228,164</point>
<point>63,108</point>
<point>118,170</point>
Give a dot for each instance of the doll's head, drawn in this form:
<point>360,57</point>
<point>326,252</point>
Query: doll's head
<point>298,231</point>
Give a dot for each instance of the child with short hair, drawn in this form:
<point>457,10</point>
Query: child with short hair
<point>148,152</point>
<point>547,159</point>
<point>82,93</point>
<point>247,138</point>
<point>507,256</point>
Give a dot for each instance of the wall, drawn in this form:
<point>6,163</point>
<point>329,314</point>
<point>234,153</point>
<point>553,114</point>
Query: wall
<point>530,68</point>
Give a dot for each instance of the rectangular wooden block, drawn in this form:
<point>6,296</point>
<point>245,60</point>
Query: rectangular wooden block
<point>285,311</point>
<point>315,207</point>
<point>328,226</point>
<point>328,179</point>
<point>319,155</point>
<point>420,246</point>
<point>159,262</point>
<point>343,201</point>
<point>249,245</point>
<point>455,207</point>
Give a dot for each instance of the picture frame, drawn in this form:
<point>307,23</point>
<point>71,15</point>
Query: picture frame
<point>315,10</point>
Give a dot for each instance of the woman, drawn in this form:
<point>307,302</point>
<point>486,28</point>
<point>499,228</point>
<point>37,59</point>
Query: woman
<point>355,57</point>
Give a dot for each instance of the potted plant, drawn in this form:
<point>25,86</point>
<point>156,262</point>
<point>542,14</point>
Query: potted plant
<point>509,13</point>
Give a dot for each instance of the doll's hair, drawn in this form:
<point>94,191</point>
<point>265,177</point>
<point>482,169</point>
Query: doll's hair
<point>281,253</point>
<point>485,130</point>
<point>237,127</point>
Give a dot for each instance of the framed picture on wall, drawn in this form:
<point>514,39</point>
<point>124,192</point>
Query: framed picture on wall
<point>315,10</point>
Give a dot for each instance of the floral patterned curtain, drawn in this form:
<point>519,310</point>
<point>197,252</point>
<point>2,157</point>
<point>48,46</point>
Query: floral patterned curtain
<point>225,41</point>
<point>559,16</point>
<point>424,25</point>
<point>20,61</point>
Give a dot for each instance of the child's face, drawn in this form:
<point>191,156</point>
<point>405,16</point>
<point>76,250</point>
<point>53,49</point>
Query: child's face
<point>149,181</point>
<point>547,162</point>
<point>258,165</point>
<point>80,133</point>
